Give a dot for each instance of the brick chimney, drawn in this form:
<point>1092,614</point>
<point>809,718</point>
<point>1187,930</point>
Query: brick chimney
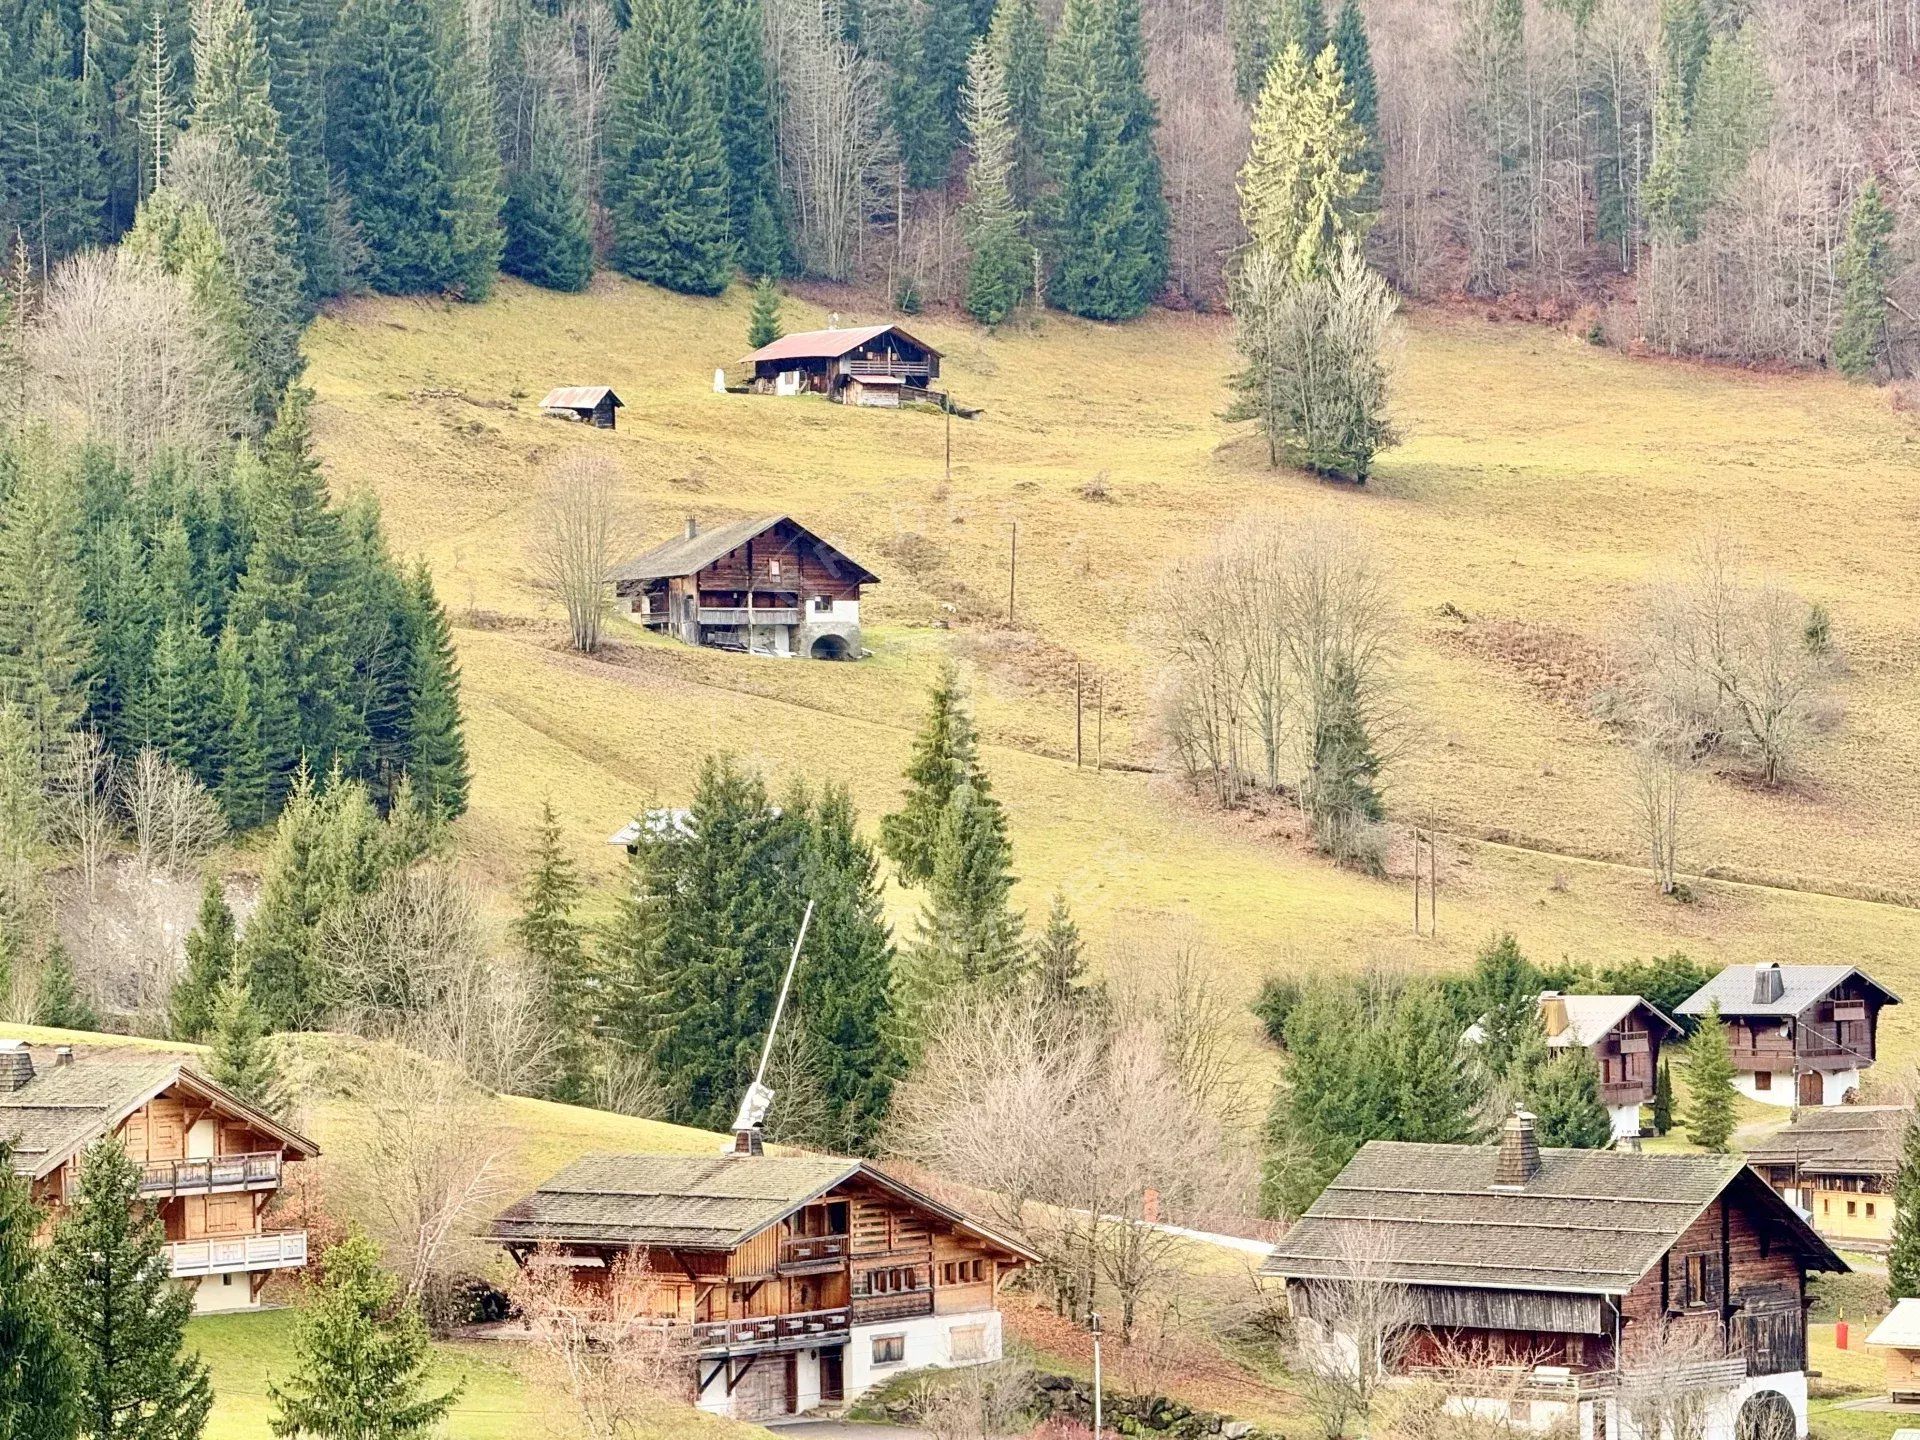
<point>1768,983</point>
<point>16,1065</point>
<point>1519,1159</point>
<point>1553,1012</point>
<point>747,1141</point>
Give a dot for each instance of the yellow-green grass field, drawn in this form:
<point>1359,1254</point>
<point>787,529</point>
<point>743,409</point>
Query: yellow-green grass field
<point>1542,481</point>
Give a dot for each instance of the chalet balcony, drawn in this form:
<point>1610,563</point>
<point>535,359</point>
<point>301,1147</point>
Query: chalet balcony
<point>739,615</point>
<point>900,1305</point>
<point>800,1331</point>
<point>903,369</point>
<point>259,1171</point>
<point>232,1254</point>
<point>1626,1092</point>
<point>1560,1382</point>
<point>809,1254</point>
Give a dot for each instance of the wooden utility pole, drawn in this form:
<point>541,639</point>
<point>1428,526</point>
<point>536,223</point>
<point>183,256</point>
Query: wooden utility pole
<point>1100,727</point>
<point>948,407</point>
<point>1076,714</point>
<point>1013,565</point>
<point>1423,841</point>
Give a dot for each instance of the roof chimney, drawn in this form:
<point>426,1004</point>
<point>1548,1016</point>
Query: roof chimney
<point>1519,1159</point>
<point>1768,983</point>
<point>747,1141</point>
<point>16,1065</point>
<point>1553,1012</point>
<point>62,1056</point>
<point>693,527</point>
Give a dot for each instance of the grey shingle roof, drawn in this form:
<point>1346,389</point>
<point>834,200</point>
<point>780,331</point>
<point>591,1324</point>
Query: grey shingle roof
<point>1801,985</point>
<point>693,1202</point>
<point>66,1107</point>
<point>687,556</point>
<point>1590,1017</point>
<point>1838,1140</point>
<point>1591,1222</point>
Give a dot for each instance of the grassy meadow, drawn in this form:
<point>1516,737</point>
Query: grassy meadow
<point>1542,482</point>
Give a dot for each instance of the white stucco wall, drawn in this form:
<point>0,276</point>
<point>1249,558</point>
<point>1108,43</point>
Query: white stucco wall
<point>1626,1120</point>
<point>218,1294</point>
<point>1834,1087</point>
<point>1721,1422</point>
<point>929,1343</point>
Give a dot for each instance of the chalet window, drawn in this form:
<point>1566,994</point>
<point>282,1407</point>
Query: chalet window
<point>889,1349</point>
<point>1869,1209</point>
<point>967,1342</point>
<point>1763,1080</point>
<point>1701,1281</point>
<point>1851,1207</point>
<point>823,602</point>
<point>773,568</point>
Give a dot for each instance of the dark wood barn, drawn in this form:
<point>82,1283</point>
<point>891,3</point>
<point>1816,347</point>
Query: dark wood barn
<point>593,404</point>
<point>1563,1284</point>
<point>768,586</point>
<point>870,365</point>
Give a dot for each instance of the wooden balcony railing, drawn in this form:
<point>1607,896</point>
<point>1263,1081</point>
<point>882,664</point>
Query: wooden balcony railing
<point>1626,1092</point>
<point>740,615</point>
<point>900,1305</point>
<point>230,1254</point>
<point>803,1328</point>
<point>806,1251</point>
<point>1557,1382</point>
<point>902,368</point>
<point>257,1171</point>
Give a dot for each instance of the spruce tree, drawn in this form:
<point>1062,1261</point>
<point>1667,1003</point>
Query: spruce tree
<point>743,101</point>
<point>968,937</point>
<point>945,755</point>
<point>242,790</point>
<point>1107,220</point>
<point>1019,42</point>
<point>556,944</point>
<point>1261,31</point>
<point>1059,956</point>
<point>843,990</point>
<point>1354,54</point>
<point>211,947</point>
<point>123,1316</point>
<point>296,37</point>
<point>548,239</point>
<point>1903,1255</point>
<point>360,1354</point>
<point>1505,997</point>
<point>49,152</point>
<point>667,169</point>
<point>242,1058</point>
<point>436,756</point>
<point>1002,264</point>
<point>45,646</point>
<point>1564,1097</point>
<point>1663,1099</point>
<point>1707,1068</point>
<point>763,321</point>
<point>38,1386</point>
<point>278,945</point>
<point>1304,168</point>
<point>1860,342</point>
<point>57,1000</point>
<point>417,169</point>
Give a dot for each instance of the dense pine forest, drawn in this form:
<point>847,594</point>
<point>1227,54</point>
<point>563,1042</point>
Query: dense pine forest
<point>1689,175</point>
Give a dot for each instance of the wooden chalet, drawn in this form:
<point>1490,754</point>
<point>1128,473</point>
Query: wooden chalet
<point>767,586</point>
<point>1624,1034</point>
<point>1800,1034</point>
<point>1899,1337</point>
<point>209,1161</point>
<point>868,365</point>
<point>1567,1284</point>
<point>1837,1164</point>
<point>592,404</point>
<point>798,1280</point>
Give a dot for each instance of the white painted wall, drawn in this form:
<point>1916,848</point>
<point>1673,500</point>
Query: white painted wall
<point>836,610</point>
<point>1834,1087</point>
<point>218,1294</point>
<point>928,1344</point>
<point>1626,1120</point>
<point>202,1139</point>
<point>1721,1423</point>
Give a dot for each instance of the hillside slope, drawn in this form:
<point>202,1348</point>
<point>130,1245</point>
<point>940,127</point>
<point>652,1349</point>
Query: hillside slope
<point>1541,483</point>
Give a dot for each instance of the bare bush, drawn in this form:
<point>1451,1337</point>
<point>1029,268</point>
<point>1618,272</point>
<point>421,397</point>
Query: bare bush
<point>175,822</point>
<point>604,1343</point>
<point>577,537</point>
<point>1352,1329</point>
<point>122,351</point>
<point>979,1402</point>
<point>1732,658</point>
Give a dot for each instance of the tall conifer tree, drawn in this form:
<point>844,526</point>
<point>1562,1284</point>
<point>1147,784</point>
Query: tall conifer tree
<point>946,754</point>
<point>1860,343</point>
<point>1108,217</point>
<point>211,949</point>
<point>555,941</point>
<point>1708,1070</point>
<point>46,648</point>
<point>1019,42</point>
<point>743,101</point>
<point>1002,265</point>
<point>38,1390</point>
<point>436,757</point>
<point>547,225</point>
<point>123,1316</point>
<point>968,937</point>
<point>1903,1255</point>
<point>667,168</point>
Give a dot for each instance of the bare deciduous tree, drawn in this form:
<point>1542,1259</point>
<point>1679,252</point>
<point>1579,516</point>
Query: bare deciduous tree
<point>1664,758</point>
<point>175,822</point>
<point>81,814</point>
<point>606,1344</point>
<point>577,537</point>
<point>1351,1330</point>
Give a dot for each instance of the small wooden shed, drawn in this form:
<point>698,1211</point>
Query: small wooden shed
<point>593,404</point>
<point>1899,1336</point>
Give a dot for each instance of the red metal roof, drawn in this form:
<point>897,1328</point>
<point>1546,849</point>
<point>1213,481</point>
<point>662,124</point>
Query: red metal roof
<point>829,344</point>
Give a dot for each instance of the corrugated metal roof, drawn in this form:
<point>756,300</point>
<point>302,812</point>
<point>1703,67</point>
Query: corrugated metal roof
<point>1838,1140</point>
<point>687,555</point>
<point>1591,1222</point>
<point>579,397</point>
<point>1801,985</point>
<point>829,344</point>
<point>64,1108</point>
